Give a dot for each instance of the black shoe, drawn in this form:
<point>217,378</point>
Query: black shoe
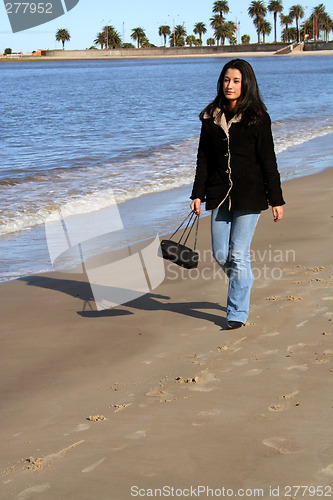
<point>232,325</point>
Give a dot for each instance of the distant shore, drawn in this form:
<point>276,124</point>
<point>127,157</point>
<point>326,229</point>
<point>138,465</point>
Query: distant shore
<point>255,50</point>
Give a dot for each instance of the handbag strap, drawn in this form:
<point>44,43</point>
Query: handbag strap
<point>196,232</point>
<point>189,217</point>
<point>196,220</point>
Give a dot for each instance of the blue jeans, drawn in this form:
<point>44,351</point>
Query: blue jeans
<point>232,234</point>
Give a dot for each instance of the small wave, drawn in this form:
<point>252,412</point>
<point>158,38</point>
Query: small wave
<point>292,134</point>
<point>89,203</point>
<point>18,176</point>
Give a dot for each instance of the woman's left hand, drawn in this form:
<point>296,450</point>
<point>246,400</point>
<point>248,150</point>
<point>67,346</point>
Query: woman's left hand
<point>277,213</point>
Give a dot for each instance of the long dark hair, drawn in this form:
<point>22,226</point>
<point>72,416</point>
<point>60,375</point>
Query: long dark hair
<point>251,106</point>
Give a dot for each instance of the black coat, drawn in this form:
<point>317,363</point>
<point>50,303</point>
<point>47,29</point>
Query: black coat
<point>239,162</point>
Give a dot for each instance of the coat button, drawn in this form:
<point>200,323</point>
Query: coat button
<point>226,154</point>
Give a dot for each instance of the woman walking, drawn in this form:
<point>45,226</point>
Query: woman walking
<point>237,177</point>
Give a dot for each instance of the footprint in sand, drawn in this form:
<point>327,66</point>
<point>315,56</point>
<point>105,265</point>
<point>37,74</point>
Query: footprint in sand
<point>269,352</point>
<point>81,427</point>
<point>134,436</point>
<point>322,357</point>
<point>205,416</point>
<point>162,396</point>
<point>241,362</point>
<point>300,368</point>
<point>119,448</point>
<point>270,334</point>
<point>205,378</point>
<point>302,323</point>
<point>298,347</point>
<point>61,453</point>
<point>328,470</point>
<point>25,494</point>
<point>120,407</point>
<point>255,371</point>
<point>283,445</point>
<point>94,466</point>
<point>319,311</point>
<point>137,435</point>
<point>310,352</point>
<point>285,402</point>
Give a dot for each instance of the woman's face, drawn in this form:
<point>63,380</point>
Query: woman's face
<point>232,86</point>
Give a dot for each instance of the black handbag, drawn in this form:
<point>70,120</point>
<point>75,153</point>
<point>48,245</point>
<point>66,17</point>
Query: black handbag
<point>178,252</point>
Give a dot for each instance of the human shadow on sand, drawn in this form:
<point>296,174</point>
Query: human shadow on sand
<point>146,302</point>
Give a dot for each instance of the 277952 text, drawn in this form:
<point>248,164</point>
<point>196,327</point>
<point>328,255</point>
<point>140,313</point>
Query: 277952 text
<point>29,8</point>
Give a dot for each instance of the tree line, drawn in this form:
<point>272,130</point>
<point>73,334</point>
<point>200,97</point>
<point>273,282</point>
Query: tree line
<point>317,26</point>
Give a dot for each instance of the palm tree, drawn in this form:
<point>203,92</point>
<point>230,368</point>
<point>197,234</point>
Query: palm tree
<point>177,38</point>
<point>63,36</point>
<point>100,39</point>
<point>180,30</point>
<point>296,12</point>
<point>257,10</point>
<point>258,21</point>
<point>289,35</point>
<point>275,6</point>
<point>232,31</point>
<point>215,21</point>
<point>191,40</point>
<point>164,31</point>
<point>318,13</point>
<point>223,31</point>
<point>327,25</point>
<point>266,29</point>
<point>139,35</point>
<point>145,42</point>
<point>210,42</point>
<point>221,7</point>
<point>113,38</point>
<point>286,20</point>
<point>200,29</point>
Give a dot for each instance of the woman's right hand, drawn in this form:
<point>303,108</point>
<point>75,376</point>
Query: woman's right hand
<point>196,206</point>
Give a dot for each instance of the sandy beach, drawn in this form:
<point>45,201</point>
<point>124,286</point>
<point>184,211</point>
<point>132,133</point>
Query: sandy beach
<point>157,393</point>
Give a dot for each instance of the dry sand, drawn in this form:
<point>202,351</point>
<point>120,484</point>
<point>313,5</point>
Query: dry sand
<point>156,393</point>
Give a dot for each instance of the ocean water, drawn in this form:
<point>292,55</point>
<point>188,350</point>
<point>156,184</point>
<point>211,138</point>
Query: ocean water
<point>79,135</point>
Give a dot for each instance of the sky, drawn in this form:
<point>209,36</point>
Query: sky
<point>86,20</point>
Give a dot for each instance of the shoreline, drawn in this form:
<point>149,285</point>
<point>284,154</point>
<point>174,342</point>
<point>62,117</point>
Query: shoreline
<point>127,211</point>
<point>160,222</point>
<point>156,392</point>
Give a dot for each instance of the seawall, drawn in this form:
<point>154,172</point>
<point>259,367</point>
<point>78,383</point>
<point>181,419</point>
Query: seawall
<point>166,51</point>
